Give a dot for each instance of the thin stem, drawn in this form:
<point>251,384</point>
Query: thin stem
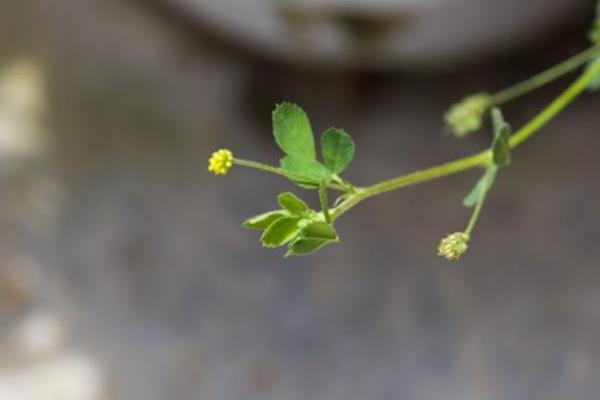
<point>559,104</point>
<point>324,203</point>
<point>475,215</point>
<point>489,177</point>
<point>280,171</point>
<point>347,185</point>
<point>479,159</point>
<point>545,77</point>
<point>261,166</point>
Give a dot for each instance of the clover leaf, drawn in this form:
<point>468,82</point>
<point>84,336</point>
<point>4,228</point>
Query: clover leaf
<point>292,203</point>
<point>292,131</point>
<point>311,238</point>
<point>337,149</point>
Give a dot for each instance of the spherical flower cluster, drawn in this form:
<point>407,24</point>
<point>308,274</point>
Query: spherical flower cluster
<point>467,116</point>
<point>220,162</point>
<point>453,246</point>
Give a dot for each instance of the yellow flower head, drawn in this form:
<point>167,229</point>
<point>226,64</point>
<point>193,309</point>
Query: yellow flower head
<point>220,162</point>
<point>454,245</point>
<point>467,116</point>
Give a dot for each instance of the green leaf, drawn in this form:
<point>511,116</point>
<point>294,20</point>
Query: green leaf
<point>313,237</point>
<point>292,203</point>
<point>292,131</point>
<point>304,246</point>
<point>280,232</point>
<point>262,221</point>
<point>310,173</point>
<point>500,145</point>
<point>320,230</point>
<point>337,149</point>
<point>482,186</point>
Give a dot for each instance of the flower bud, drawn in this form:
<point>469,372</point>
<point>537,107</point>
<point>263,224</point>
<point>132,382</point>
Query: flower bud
<point>467,116</point>
<point>453,246</point>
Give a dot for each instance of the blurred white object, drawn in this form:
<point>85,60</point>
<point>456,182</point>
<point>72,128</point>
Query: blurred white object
<point>382,32</point>
<point>42,365</point>
<point>21,104</point>
<point>68,376</point>
<point>39,334</point>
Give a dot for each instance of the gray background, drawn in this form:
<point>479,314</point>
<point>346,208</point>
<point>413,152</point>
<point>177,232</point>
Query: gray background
<point>139,252</point>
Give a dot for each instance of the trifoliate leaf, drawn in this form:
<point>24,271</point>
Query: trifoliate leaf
<point>262,221</point>
<point>310,173</point>
<point>500,145</point>
<point>280,232</point>
<point>313,237</point>
<point>292,131</point>
<point>337,149</point>
<point>292,203</point>
<point>482,186</point>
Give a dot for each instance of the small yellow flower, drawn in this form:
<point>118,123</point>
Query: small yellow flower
<point>454,245</point>
<point>467,116</point>
<point>220,162</point>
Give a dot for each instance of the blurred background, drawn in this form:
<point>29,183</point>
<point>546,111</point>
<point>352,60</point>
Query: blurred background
<point>125,273</point>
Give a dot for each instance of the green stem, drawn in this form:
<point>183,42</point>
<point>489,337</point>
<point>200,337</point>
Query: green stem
<point>559,104</point>
<point>281,172</point>
<point>490,176</point>
<point>479,159</point>
<point>475,216</point>
<point>324,203</point>
<point>545,77</point>
<point>261,166</point>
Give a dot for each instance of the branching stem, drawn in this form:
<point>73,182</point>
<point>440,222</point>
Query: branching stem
<point>479,159</point>
<point>482,159</point>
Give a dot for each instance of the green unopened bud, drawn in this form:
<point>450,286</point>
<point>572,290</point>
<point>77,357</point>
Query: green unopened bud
<point>454,245</point>
<point>467,116</point>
